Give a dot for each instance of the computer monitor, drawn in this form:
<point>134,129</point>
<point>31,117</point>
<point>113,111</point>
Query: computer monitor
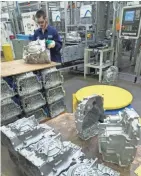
<point>129,16</point>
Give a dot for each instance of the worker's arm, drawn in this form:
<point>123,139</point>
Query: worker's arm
<point>34,36</point>
<point>58,42</point>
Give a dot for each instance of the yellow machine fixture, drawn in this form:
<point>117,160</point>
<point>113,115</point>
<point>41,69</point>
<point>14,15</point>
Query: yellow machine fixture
<point>114,97</point>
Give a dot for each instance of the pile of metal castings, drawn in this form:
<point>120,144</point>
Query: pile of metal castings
<point>38,151</point>
<point>119,136</point>
<point>73,36</point>
<point>52,82</point>
<point>29,87</point>
<point>73,52</point>
<point>88,115</point>
<point>38,93</point>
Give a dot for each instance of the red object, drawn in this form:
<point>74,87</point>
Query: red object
<point>12,37</point>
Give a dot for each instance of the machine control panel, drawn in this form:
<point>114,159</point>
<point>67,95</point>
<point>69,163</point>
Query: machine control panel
<point>131,22</point>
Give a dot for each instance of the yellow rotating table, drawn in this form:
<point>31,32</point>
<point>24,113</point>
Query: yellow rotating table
<point>114,97</point>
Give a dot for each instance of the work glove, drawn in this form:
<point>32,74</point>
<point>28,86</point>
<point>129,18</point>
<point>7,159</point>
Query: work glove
<point>50,44</point>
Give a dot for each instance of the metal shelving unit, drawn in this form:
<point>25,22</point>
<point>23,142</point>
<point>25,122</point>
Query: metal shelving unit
<point>99,65</point>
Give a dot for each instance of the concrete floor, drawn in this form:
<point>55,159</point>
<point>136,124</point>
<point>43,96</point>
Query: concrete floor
<point>126,64</point>
<point>72,83</point>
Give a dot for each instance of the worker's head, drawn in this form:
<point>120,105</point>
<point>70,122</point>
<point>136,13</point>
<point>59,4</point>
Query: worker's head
<point>41,19</point>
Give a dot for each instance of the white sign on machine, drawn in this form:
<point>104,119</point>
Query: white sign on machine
<point>56,16</point>
<point>85,11</point>
<point>29,22</point>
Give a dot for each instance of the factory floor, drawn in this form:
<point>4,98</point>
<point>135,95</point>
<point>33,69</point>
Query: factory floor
<point>73,82</point>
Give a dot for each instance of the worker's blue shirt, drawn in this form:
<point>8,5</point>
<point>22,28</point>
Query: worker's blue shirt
<point>50,34</point>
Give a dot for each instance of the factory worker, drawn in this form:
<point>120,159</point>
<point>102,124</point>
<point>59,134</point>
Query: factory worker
<point>48,33</point>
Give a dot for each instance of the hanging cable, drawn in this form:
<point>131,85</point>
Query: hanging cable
<point>116,4</point>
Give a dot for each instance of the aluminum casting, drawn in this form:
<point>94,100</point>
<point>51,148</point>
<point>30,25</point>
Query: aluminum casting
<point>51,78</point>
<point>6,90</point>
<point>88,115</point>
<point>55,94</point>
<point>57,108</point>
<point>39,114</point>
<point>36,52</point>
<point>33,101</point>
<point>28,83</point>
<point>9,111</point>
<point>119,137</point>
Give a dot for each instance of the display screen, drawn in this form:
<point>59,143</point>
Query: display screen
<point>129,16</point>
